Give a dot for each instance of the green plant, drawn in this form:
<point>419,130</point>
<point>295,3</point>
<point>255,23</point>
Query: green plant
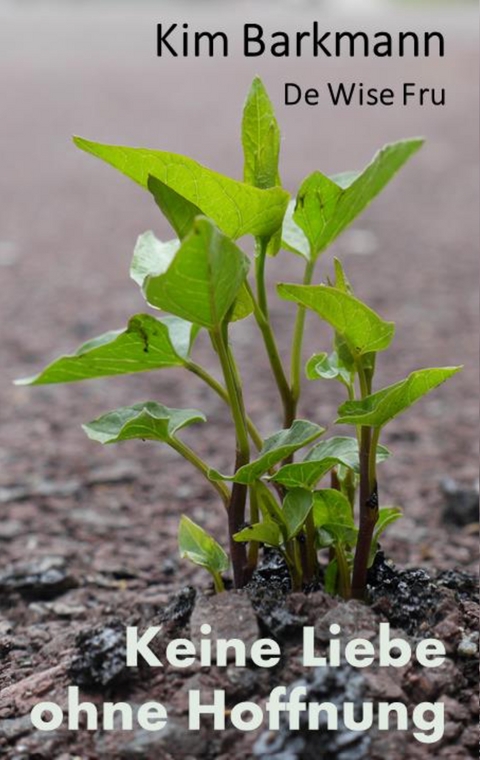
<point>201,279</point>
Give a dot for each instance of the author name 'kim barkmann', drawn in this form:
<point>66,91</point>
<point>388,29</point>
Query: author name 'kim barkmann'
<point>179,40</point>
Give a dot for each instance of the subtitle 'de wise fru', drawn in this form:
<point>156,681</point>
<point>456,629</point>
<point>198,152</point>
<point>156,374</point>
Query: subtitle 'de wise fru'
<point>359,94</point>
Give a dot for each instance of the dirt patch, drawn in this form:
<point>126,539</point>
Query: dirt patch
<point>91,654</point>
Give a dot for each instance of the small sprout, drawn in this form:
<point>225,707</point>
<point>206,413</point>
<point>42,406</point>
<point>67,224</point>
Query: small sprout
<point>196,545</point>
<point>204,279</point>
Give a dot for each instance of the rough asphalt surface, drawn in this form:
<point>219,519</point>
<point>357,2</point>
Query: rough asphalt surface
<point>68,224</point>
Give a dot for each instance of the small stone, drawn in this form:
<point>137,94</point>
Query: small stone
<point>354,618</point>
<point>230,616</point>
<point>11,529</point>
<point>14,728</point>
<point>461,503</point>
<point>101,657</point>
<point>468,647</point>
<point>44,578</point>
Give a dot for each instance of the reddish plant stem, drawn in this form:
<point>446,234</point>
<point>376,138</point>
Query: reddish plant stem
<point>368,515</point>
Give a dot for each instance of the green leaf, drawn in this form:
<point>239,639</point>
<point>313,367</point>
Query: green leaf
<point>148,421</point>
<point>331,577</point>
<point>360,326</point>
<point>265,533</point>
<point>386,517</point>
<point>146,344</point>
<point>243,305</point>
<point>325,367</point>
<point>260,139</point>
<point>325,207</point>
<point>204,278</point>
<point>322,458</point>
<point>296,507</point>
<point>341,281</point>
<point>293,238</point>
<point>381,407</point>
<point>333,513</point>
<point>200,548</point>
<point>177,209</point>
<point>276,447</point>
<point>269,507</point>
<point>151,257</point>
<point>237,209</point>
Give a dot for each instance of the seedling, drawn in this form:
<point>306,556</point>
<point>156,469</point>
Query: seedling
<point>201,280</point>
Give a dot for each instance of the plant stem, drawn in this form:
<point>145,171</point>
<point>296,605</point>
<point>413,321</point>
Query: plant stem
<point>238,496</point>
<point>202,373</point>
<point>368,510</point>
<point>344,588</point>
<point>297,345</point>
<point>311,553</point>
<point>197,462</point>
<point>218,582</point>
<point>368,492</point>
<point>260,305</point>
<point>254,518</point>
<point>293,560</point>
<point>260,260</point>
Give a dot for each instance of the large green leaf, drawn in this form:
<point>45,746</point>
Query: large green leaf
<point>203,279</point>
<point>151,256</point>
<point>199,547</point>
<point>321,459</point>
<point>326,206</point>
<point>363,329</point>
<point>147,421</point>
<point>296,507</point>
<point>238,209</point>
<point>146,344</point>
<point>260,139</point>
<point>276,447</point>
<point>381,407</point>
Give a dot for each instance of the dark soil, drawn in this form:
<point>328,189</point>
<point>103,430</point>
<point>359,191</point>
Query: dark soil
<point>88,535</point>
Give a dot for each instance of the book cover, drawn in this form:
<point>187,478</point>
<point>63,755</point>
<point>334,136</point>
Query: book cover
<point>239,486</point>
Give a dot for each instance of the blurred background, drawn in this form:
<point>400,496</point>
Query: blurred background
<point>68,225</point>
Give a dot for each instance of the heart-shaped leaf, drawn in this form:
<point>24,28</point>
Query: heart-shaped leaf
<point>200,548</point>
<point>276,447</point>
<point>203,279</point>
<point>321,459</point>
<point>381,407</point>
<point>265,533</point>
<point>236,208</point>
<point>333,513</point>
<point>146,344</point>
<point>326,206</point>
<point>363,329</point>
<point>151,258</point>
<point>147,421</point>
<point>296,507</point>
